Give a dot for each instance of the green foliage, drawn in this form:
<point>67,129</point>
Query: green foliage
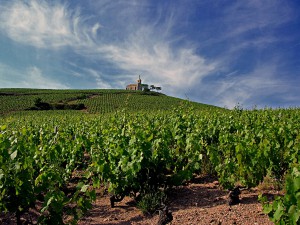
<point>59,158</point>
<point>40,105</point>
<point>37,165</point>
<point>134,154</point>
<point>150,202</point>
<point>96,101</point>
<point>286,209</point>
<point>245,145</point>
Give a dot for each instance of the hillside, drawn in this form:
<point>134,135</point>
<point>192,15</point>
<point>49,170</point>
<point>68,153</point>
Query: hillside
<point>61,163</point>
<point>95,101</point>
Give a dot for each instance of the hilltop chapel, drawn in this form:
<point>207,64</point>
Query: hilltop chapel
<point>135,87</point>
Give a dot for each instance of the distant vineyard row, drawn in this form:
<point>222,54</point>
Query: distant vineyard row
<point>95,101</point>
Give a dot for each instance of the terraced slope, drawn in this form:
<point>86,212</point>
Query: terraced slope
<point>95,101</point>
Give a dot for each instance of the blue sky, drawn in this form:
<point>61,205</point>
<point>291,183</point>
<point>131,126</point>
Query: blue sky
<point>221,52</point>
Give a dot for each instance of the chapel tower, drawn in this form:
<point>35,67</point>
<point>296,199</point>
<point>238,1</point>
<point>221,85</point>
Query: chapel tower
<point>139,83</point>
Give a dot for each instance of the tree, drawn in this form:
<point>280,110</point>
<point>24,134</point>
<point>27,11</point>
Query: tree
<point>152,87</point>
<point>145,87</point>
<point>37,102</point>
<point>146,90</point>
<point>158,88</point>
<point>40,105</point>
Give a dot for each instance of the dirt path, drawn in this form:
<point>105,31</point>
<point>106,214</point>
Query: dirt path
<point>200,202</point>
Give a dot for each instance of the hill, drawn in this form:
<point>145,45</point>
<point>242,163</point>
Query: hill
<point>94,101</point>
<point>57,164</point>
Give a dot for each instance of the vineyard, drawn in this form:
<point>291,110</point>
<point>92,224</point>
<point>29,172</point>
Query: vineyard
<point>53,163</point>
<point>96,101</point>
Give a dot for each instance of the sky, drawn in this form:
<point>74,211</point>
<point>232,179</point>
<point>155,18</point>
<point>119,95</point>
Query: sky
<point>224,52</point>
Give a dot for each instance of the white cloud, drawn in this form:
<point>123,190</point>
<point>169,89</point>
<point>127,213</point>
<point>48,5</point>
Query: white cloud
<point>52,25</point>
<point>98,78</point>
<point>43,24</point>
<point>249,89</point>
<point>36,79</point>
<point>176,69</point>
<point>244,16</point>
<point>95,29</point>
<point>32,77</point>
<point>46,25</point>
<point>249,24</point>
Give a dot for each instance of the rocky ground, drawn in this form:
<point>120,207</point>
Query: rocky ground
<point>200,202</point>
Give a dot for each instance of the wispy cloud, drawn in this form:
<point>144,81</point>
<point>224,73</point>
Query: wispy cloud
<point>248,24</point>
<point>248,41</point>
<point>159,62</point>
<point>44,24</point>
<point>31,77</point>
<point>250,89</point>
<point>241,17</point>
<point>36,79</point>
<point>100,82</point>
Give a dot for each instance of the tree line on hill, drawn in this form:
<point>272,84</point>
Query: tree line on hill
<point>147,88</point>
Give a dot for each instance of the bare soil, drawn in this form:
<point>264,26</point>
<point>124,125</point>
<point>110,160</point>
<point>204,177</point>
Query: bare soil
<point>202,201</point>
